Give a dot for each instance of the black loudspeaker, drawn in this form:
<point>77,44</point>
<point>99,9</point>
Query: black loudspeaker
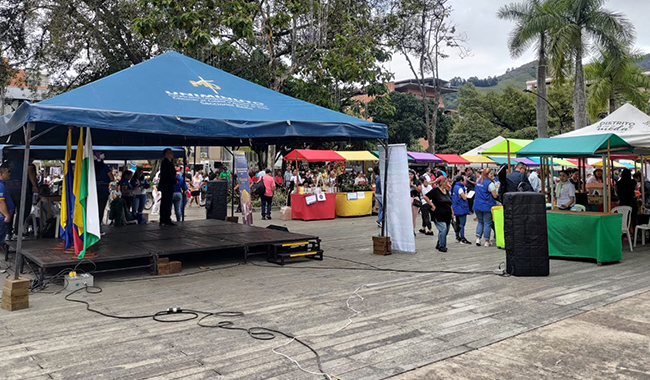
<point>525,234</point>
<point>216,200</point>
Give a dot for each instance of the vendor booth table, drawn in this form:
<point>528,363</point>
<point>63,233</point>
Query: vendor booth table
<point>592,235</point>
<point>319,210</point>
<point>354,203</point>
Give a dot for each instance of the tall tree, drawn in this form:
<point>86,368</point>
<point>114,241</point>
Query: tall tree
<point>585,24</point>
<point>611,76</point>
<point>421,31</point>
<point>533,22</point>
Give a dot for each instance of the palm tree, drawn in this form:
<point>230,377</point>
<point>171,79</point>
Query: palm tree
<point>613,75</point>
<point>534,20</point>
<point>585,24</point>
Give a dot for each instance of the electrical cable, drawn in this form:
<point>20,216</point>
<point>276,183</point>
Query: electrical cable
<point>256,332</point>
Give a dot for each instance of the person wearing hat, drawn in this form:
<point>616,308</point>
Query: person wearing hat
<point>104,177</point>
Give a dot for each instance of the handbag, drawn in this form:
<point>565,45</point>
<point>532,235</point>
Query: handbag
<point>417,203</point>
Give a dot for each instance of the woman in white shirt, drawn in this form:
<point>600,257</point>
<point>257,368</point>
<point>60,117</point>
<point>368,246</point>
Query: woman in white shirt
<point>565,192</point>
<point>426,208</point>
<point>360,179</point>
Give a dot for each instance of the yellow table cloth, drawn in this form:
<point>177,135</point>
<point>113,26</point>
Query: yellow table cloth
<point>356,207</point>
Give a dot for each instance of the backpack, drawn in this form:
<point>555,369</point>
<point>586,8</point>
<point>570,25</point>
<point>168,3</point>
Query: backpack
<point>259,188</point>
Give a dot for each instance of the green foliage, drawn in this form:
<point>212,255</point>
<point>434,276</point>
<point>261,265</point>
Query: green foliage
<point>614,78</point>
<point>511,113</point>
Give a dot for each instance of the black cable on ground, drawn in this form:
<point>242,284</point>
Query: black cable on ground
<point>171,315</point>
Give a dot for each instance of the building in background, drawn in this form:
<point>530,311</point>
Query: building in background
<point>23,86</point>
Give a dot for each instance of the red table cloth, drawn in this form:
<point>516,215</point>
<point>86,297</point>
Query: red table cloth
<point>317,211</point>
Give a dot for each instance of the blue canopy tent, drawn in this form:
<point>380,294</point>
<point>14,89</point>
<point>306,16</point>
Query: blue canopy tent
<point>57,152</point>
<point>176,100</point>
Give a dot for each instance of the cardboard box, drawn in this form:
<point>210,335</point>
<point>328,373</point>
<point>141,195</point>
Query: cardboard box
<point>285,213</point>
<point>175,267</point>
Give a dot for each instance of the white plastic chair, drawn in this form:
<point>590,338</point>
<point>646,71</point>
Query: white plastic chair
<point>578,208</point>
<point>643,228</point>
<point>626,212</point>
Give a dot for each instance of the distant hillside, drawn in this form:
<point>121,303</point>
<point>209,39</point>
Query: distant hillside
<point>518,77</point>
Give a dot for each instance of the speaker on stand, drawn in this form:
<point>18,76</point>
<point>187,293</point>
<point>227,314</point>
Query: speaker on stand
<point>216,200</point>
<point>526,236</point>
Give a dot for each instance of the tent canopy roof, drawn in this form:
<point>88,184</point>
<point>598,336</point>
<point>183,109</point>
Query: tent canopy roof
<point>359,155</point>
<point>57,152</point>
<point>453,159</point>
<point>477,159</point>
<point>312,155</point>
<point>581,146</point>
<point>628,122</point>
<point>175,100</point>
<point>502,147</point>
<point>503,160</point>
<point>484,146</point>
<point>557,162</point>
<point>424,157</point>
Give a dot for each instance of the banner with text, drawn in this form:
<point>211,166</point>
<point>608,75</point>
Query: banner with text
<point>241,170</point>
<point>399,226</point>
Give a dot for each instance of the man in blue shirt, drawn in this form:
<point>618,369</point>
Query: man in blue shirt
<point>7,206</point>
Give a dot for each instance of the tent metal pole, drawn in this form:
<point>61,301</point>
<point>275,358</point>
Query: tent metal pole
<point>384,184</point>
<point>508,149</point>
<point>551,172</point>
<point>609,188</point>
<point>184,195</point>
<point>643,179</point>
<point>605,182</point>
<point>23,201</point>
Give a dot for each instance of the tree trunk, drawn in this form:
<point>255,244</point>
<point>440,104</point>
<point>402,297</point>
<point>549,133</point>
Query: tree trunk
<point>579,92</point>
<point>612,104</point>
<point>542,106</point>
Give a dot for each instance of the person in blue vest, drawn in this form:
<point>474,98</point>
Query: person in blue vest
<point>485,195</point>
<point>7,206</point>
<point>461,208</point>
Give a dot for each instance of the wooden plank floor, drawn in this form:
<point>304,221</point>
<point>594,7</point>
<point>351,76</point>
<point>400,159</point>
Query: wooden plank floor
<point>406,320</point>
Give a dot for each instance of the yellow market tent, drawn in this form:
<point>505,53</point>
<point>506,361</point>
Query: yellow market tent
<point>359,155</point>
<point>477,159</point>
<point>618,165</point>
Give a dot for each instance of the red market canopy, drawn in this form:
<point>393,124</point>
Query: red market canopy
<point>312,155</point>
<point>453,159</point>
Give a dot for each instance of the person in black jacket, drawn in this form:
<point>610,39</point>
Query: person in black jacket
<point>166,187</point>
<point>518,180</point>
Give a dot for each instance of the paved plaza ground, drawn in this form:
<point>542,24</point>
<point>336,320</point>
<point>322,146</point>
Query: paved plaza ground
<point>582,322</point>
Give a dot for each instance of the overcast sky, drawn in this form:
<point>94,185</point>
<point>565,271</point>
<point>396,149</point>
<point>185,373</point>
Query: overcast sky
<point>488,37</point>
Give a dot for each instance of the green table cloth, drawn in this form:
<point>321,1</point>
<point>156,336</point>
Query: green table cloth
<point>585,235</point>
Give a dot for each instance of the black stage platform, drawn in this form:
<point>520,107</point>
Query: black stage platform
<point>125,244</point>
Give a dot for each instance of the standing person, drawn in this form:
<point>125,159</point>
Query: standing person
<point>597,177</point>
<point>140,186</point>
<point>287,176</point>
<point>535,182</point>
<point>485,194</point>
<point>461,208</point>
<point>14,186</point>
<point>126,189</point>
<point>178,199</point>
<point>425,210</point>
<point>267,198</point>
<point>378,198</point>
<point>195,189</point>
<point>470,184</point>
<point>416,202</point>
<point>646,187</point>
<point>441,211</point>
<point>518,180</point>
<point>166,187</point>
<point>565,192</point>
<point>360,179</point>
<point>575,180</point>
<point>104,177</point>
<point>625,189</point>
<point>7,206</point>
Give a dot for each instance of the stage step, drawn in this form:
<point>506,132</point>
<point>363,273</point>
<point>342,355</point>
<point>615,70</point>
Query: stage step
<point>278,253</point>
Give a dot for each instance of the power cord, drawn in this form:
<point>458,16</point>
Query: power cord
<point>171,315</point>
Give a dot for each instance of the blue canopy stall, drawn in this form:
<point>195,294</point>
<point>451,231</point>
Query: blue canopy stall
<point>175,100</point>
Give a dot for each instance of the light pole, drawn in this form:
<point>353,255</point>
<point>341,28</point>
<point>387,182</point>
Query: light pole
<point>549,103</point>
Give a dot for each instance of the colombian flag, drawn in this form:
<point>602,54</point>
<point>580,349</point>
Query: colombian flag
<point>78,217</point>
